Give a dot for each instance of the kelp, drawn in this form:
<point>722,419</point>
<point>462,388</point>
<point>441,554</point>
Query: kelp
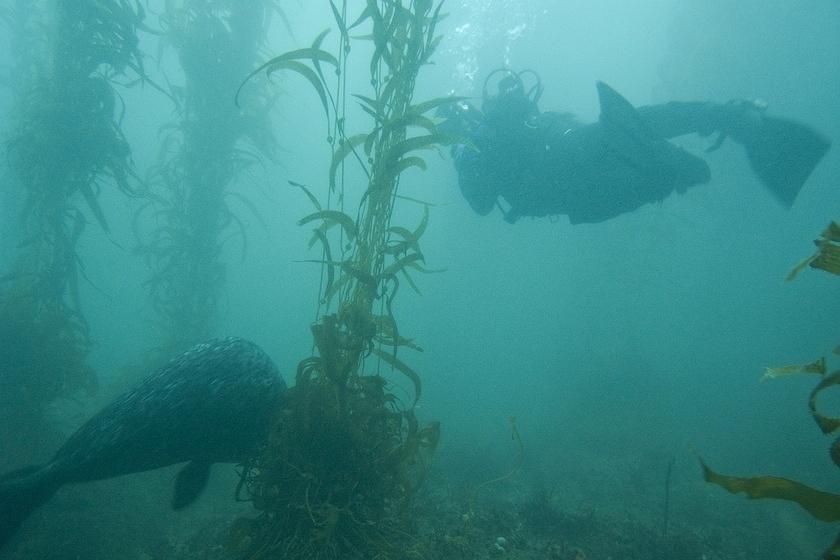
<point>822,505</point>
<point>827,256</point>
<point>346,454</point>
<point>64,147</point>
<point>212,143</point>
<point>818,367</point>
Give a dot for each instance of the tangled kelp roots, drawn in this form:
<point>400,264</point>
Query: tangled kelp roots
<point>337,476</point>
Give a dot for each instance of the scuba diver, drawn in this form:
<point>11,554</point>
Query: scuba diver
<point>548,163</point>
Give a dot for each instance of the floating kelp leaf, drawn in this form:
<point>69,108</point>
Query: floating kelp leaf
<point>424,270</point>
<point>290,61</point>
<point>828,258</point>
<point>380,37</point>
<point>432,41</point>
<point>403,165</point>
<point>822,505</point>
<point>828,424</point>
<point>342,25</point>
<point>316,44</point>
<point>410,281</point>
<point>305,71</point>
<point>817,367</point>
<point>398,265</point>
<point>400,366</point>
<point>371,106</point>
<point>800,266</point>
<point>310,53</point>
<point>322,237</point>
<point>345,149</point>
<point>427,141</point>
<point>371,139</point>
<point>832,232</point>
<point>332,217</point>
<point>402,246</point>
<point>364,16</point>
<point>308,193</point>
<point>404,121</point>
<point>410,239</point>
<point>424,222</point>
<point>386,329</point>
<point>426,106</point>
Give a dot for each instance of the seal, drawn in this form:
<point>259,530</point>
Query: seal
<point>211,404</point>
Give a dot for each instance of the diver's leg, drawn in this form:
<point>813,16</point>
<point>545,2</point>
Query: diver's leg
<point>678,118</point>
<point>783,153</point>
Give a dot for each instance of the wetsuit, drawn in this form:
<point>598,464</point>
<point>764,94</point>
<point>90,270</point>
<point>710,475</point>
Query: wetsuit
<point>547,163</point>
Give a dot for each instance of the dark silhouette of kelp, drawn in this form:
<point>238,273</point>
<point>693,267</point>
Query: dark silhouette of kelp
<point>64,147</point>
<point>212,144</point>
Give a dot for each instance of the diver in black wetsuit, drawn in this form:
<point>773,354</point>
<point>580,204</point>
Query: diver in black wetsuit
<point>548,163</point>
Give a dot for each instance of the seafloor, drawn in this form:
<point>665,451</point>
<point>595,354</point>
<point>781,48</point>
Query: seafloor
<point>519,518</point>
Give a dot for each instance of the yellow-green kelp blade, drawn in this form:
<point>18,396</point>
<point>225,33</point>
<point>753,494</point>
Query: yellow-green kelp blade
<point>822,505</point>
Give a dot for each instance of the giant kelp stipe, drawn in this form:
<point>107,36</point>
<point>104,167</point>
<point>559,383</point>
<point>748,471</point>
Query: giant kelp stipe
<point>212,144</point>
<point>346,456</point>
<point>65,146</point>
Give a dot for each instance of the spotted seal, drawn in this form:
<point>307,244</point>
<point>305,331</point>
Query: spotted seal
<point>210,404</point>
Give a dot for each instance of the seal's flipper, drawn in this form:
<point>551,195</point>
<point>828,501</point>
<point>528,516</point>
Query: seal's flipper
<point>627,133</point>
<point>783,154</point>
<point>189,483</point>
<point>21,492</point>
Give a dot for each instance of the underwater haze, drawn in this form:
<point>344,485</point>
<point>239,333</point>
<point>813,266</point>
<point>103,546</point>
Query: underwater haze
<point>579,372</point>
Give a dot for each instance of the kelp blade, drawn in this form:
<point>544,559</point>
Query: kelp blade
<point>827,424</point>
<point>822,505</point>
<point>817,367</point>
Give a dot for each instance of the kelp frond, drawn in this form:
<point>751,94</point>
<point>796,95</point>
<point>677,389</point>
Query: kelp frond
<point>822,505</point>
<point>818,367</point>
<point>827,256</point>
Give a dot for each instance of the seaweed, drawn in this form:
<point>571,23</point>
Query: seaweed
<point>64,147</point>
<point>821,505</point>
<point>203,153</point>
<point>827,256</point>
<point>346,455</point>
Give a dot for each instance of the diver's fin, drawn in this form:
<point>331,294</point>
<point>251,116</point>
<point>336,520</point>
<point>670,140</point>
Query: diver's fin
<point>626,132</point>
<point>783,154</point>
<point>624,129</point>
<point>189,483</point>
<point>21,493</point>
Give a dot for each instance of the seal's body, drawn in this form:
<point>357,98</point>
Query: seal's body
<point>213,403</point>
